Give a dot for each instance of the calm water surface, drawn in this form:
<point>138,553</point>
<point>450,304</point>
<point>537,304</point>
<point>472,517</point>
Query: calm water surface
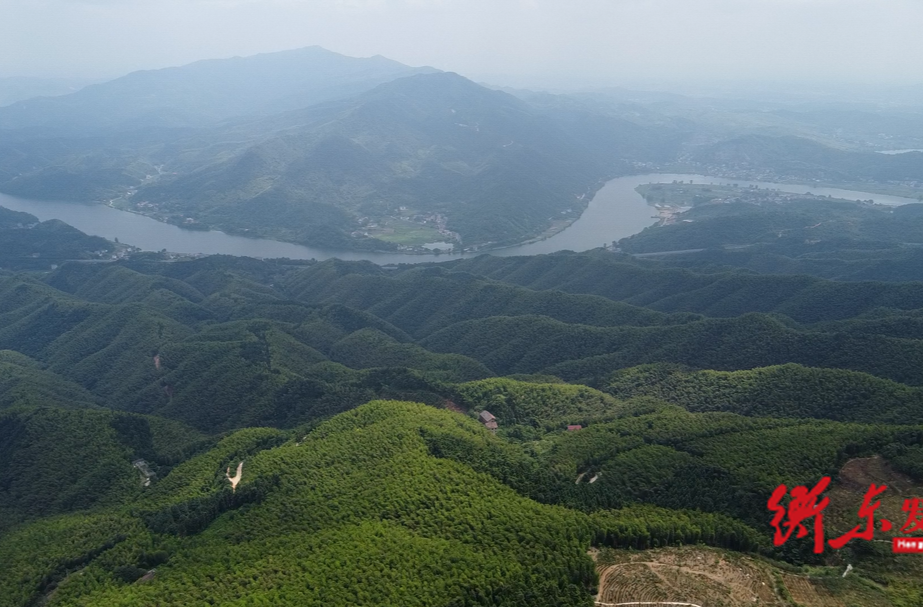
<point>615,212</point>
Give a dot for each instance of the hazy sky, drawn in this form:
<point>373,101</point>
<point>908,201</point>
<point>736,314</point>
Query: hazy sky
<point>517,42</point>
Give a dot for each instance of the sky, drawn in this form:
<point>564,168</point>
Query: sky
<point>561,44</point>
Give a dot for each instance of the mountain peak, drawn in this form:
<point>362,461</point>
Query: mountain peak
<point>208,91</point>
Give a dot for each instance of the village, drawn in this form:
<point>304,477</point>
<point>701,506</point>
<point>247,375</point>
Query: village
<point>411,231</point>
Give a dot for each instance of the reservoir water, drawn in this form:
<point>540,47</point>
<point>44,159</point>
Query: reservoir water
<point>615,212</point>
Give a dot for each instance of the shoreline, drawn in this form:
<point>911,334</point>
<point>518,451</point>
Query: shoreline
<point>611,210</point>
<point>898,189</point>
<point>482,249</point>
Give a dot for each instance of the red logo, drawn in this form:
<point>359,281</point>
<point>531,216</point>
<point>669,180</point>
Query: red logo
<point>806,504</point>
<point>907,545</point>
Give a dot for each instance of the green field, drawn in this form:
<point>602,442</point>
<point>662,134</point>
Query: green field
<point>407,233</point>
<point>683,195</point>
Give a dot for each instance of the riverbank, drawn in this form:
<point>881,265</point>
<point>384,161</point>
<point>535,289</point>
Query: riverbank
<point>410,233</point>
<point>910,190</point>
<point>615,211</point>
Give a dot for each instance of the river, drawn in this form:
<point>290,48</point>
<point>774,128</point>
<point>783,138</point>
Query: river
<point>615,212</point>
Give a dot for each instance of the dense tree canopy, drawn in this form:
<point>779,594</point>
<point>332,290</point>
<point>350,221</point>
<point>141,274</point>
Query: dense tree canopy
<point>690,416</point>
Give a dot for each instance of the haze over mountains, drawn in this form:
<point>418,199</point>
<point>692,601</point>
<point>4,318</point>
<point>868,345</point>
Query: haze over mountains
<point>808,160</point>
<point>13,89</point>
<point>211,143</point>
<point>313,147</point>
<point>206,92</point>
<point>557,430</point>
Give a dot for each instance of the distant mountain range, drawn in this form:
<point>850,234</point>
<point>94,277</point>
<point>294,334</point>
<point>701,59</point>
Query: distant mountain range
<point>313,147</point>
<point>207,91</point>
<point>427,145</point>
<point>13,89</point>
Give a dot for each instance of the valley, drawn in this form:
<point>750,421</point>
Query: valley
<point>240,346</point>
<point>302,328</point>
<point>377,157</point>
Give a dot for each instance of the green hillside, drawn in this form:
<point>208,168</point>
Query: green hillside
<point>783,391</point>
<point>56,460</point>
<point>715,462</point>
<point>328,525</point>
<point>532,344</point>
<point>848,260</point>
<point>421,301</point>
<point>802,225</point>
<point>316,148</point>
<point>351,394</point>
<point>714,293</point>
<point>29,244</point>
<point>541,405</point>
<point>405,519</point>
<point>23,381</point>
<point>801,158</point>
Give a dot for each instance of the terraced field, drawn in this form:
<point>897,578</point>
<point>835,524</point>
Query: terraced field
<point>715,578</point>
<point>687,575</point>
<point>808,594</point>
<point>707,577</point>
<point>632,582</point>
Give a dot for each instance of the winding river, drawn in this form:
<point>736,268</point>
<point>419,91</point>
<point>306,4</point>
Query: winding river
<point>615,212</point>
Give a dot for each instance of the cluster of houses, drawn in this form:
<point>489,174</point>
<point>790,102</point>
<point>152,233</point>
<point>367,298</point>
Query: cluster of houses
<point>490,422</point>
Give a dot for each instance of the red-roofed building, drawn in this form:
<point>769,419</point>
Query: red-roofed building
<point>574,428</point>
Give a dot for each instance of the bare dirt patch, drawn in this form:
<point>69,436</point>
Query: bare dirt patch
<point>713,577</point>
<point>849,488</point>
<point>857,474</point>
<point>453,406</point>
<point>700,576</point>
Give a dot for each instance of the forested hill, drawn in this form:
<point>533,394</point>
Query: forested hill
<point>423,145</point>
<point>427,158</point>
<point>721,292</point>
<point>131,391</point>
<point>771,232</point>
<point>439,320</point>
<point>29,244</point>
<point>805,159</point>
<point>802,226</point>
